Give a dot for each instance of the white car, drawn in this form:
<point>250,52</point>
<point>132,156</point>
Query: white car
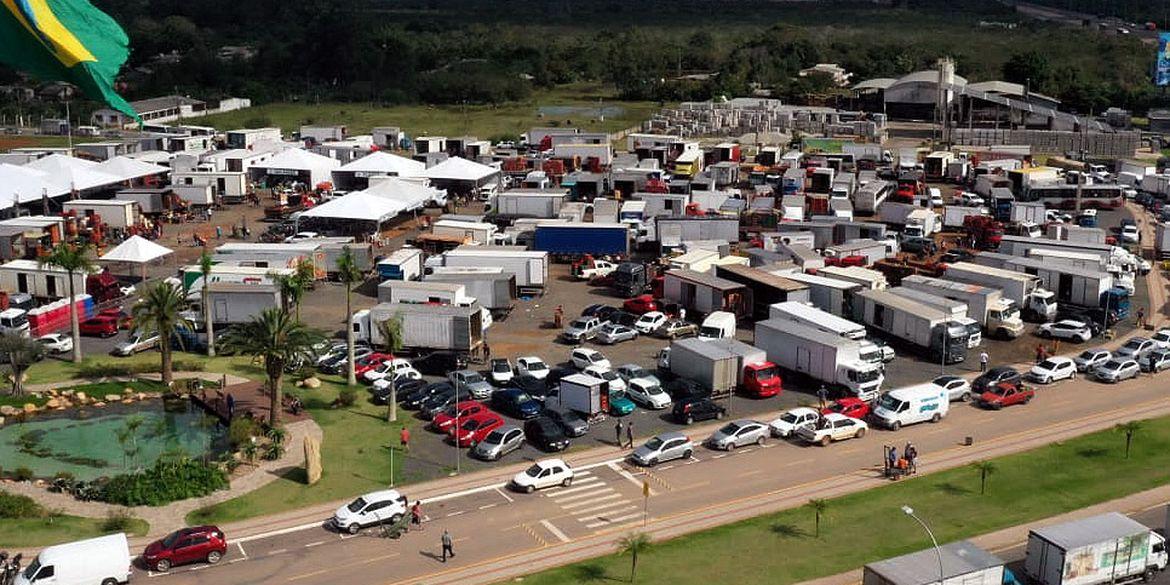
<point>56,343</point>
<point>531,366</point>
<point>1155,361</point>
<point>739,433</point>
<point>391,368</point>
<point>1117,369</point>
<point>789,422</point>
<point>1053,369</point>
<point>1135,348</point>
<point>583,357</point>
<point>616,383</point>
<point>1088,360</point>
<point>500,371</point>
<point>957,388</point>
<point>370,510</point>
<point>1067,329</point>
<point>384,383</point>
<point>612,333</point>
<point>970,199</point>
<point>1130,234</point>
<point>650,322</point>
<point>301,236</point>
<point>543,474</point>
<point>1162,338</point>
<point>137,342</point>
<point>635,372</point>
<point>833,427</point>
<point>648,393</point>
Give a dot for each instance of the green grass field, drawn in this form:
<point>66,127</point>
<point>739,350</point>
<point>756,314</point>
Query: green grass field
<point>575,106</point>
<point>869,525</point>
<point>36,532</point>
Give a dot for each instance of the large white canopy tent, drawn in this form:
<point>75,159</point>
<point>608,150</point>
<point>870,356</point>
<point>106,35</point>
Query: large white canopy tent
<point>412,194</point>
<point>128,169</point>
<point>73,173</point>
<point>136,250</point>
<point>21,184</point>
<point>304,165</point>
<point>460,175</point>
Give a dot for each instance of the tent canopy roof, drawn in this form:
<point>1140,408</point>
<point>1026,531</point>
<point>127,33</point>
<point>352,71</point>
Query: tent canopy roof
<point>300,160</point>
<point>385,162</point>
<point>126,168</point>
<point>459,169</point>
<point>24,184</point>
<point>136,249</point>
<point>361,206</point>
<point>72,173</point>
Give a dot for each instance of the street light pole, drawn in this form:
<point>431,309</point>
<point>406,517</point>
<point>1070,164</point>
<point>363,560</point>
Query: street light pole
<point>937,551</point>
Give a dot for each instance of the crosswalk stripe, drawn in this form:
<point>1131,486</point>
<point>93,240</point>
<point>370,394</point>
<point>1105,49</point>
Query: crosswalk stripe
<point>610,509</point>
<point>577,487</point>
<point>588,502</point>
<point>584,495</point>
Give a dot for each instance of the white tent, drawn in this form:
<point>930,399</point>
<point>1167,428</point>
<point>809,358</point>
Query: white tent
<point>409,193</point>
<point>384,163</point>
<point>73,173</point>
<point>20,184</point>
<point>460,169</point>
<point>359,206</point>
<point>296,160</point>
<point>136,250</point>
<point>127,169</point>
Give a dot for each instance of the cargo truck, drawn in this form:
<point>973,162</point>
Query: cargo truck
<point>492,287</point>
<point>402,264</point>
<point>530,267</point>
<point>811,316</point>
<point>585,395</point>
<point>1162,241</point>
<point>824,357</point>
<point>954,216</point>
<point>566,241</point>
<point>926,328</point>
<point>425,292</point>
<point>724,365</point>
<point>234,303</point>
<point>831,295</point>
<point>425,328</point>
<point>1022,289</point>
<point>1110,548</point>
<point>986,305</point>
<point>871,196</point>
<point>1075,286</point>
<point>955,310</point>
<point>539,203</point>
<point>867,278</point>
<point>192,276</point>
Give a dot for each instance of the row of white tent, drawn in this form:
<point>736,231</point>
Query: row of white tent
<point>321,167</point>
<point>381,202</point>
<point>58,174</point>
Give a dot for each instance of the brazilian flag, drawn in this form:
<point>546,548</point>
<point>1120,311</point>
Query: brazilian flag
<point>66,40</point>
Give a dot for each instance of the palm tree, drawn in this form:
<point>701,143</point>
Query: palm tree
<point>72,259</point>
<point>294,286</point>
<point>157,312</point>
<point>633,544</point>
<point>985,468</point>
<point>277,339</point>
<point>205,269</point>
<point>20,352</point>
<point>1130,429</point>
<point>391,332</point>
<point>818,506</point>
<point>349,274</point>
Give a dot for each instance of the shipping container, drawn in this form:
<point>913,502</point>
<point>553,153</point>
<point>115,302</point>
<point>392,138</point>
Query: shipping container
<point>564,240</point>
<point>926,328</point>
<point>529,267</point>
<point>402,264</point>
<point>492,287</point>
<point>537,203</point>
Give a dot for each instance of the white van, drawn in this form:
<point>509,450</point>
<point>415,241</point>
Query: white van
<point>718,325</point>
<point>104,560</point>
<point>913,404</point>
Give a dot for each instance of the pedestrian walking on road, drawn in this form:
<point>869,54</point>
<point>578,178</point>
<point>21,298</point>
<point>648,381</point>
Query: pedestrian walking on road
<point>892,458</point>
<point>404,438</point>
<point>447,550</point>
<point>630,434</point>
<point>823,396</point>
<point>983,359</point>
<point>416,515</point>
<point>1141,317</point>
<point>1039,352</point>
<point>558,316</point>
<point>617,433</point>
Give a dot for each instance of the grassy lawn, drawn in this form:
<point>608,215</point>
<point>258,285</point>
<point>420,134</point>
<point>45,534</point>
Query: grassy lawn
<point>576,103</point>
<point>36,532</point>
<point>868,526</point>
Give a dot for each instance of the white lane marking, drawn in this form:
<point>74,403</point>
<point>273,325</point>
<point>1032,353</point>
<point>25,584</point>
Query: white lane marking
<point>456,513</point>
<point>486,506</point>
<point>278,551</point>
<point>312,544</point>
<point>591,501</point>
<point>665,467</point>
<point>584,495</point>
<point>577,487</point>
<point>609,463</point>
<point>554,530</point>
<point>466,492</point>
<point>767,445</point>
<point>347,536</point>
<point>234,561</point>
<point>753,472</point>
<point>748,450</point>
<point>719,456</point>
<point>504,495</point>
<point>316,524</point>
<point>600,523</point>
<point>627,475</point>
<point>241,547</point>
<point>610,510</point>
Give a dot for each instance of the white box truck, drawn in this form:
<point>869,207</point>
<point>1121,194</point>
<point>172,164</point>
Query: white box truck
<point>425,327</point>
<point>402,264</point>
<point>530,268</point>
<point>104,560</point>
<point>827,294</point>
<point>1162,241</point>
<point>233,303</point>
<point>1022,289</point>
<point>954,309</point>
<point>986,305</point>
<point>955,215</point>
<point>866,277</point>
<point>723,365</point>
<point>584,394</point>
<point>811,316</point>
<point>425,292</point>
<point>824,357</point>
<point>1110,548</point>
<point>910,321</point>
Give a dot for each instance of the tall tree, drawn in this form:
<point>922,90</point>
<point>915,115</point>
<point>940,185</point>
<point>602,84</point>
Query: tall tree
<point>205,264</point>
<point>72,259</point>
<point>294,286</point>
<point>158,312</point>
<point>348,272</point>
<point>634,544</point>
<point>391,332</point>
<point>818,506</point>
<point>19,352</point>
<point>985,468</point>
<point>1129,429</point>
<point>277,339</point>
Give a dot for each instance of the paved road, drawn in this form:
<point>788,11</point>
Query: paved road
<point>500,534</point>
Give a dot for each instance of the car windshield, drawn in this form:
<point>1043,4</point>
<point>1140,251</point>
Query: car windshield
<point>1133,344</point>
<point>501,367</point>
<point>790,418</point>
<point>615,395</point>
<point>729,428</point>
<point>1048,365</point>
<point>494,437</point>
<point>473,378</point>
<point>579,324</point>
<point>865,375</point>
<point>536,366</point>
<point>470,425</point>
<point>1088,355</point>
<point>1112,365</point>
<point>637,372</point>
<point>651,389</point>
<point>889,403</point>
<point>356,505</point>
<point>170,539</point>
<point>534,470</point>
<point>654,444</point>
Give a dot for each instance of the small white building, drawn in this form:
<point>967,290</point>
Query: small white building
<point>119,214</point>
<point>248,137</point>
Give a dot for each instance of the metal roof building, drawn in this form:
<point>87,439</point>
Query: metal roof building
<point>962,563</point>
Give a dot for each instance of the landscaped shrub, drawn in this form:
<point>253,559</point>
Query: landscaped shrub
<point>347,397</point>
<point>169,480</point>
<point>22,474</point>
<point>110,369</point>
<point>117,521</point>
<point>15,507</point>
<point>241,430</point>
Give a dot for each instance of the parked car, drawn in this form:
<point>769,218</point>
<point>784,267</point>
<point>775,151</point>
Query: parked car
<point>996,375</point>
<point>515,403</point>
<point>370,510</point>
<point>531,386</point>
<point>583,357</point>
<point>792,420</point>
<point>439,363</point>
<point>55,343</point>
<point>677,329</point>
<point>543,474</point>
<point>185,546</point>
<point>1155,361</point>
<point>685,388</point>
<point>1005,394</point>
<point>545,434</point>
<point>635,372</point>
<point>383,388</point>
<point>690,410</point>
<point>498,443</point>
<point>1089,359</point>
<point>472,382</point>
<point>369,362</point>
<point>850,407</point>
<point>553,379</point>
<point>436,403</point>
<point>957,388</point>
<point>1162,338</point>
<point>474,429</point>
<point>623,318</point>
<point>581,329</point>
<point>1136,347</point>
<point>460,410</point>
<point>1067,329</point>
<point>648,393</point>
<point>531,366</point>
<point>640,304</point>
<point>650,322</point>
<point>615,381</point>
<point>1130,234</point>
<point>500,371</point>
<point>1053,369</point>
<point>664,447</point>
<point>594,310</point>
<point>612,334</point>
<point>571,422</point>
<point>832,427</point>
<point>415,400</point>
<point>739,433</point>
<point>619,403</point>
<point>1117,369</point>
<point>888,353</point>
<point>393,368</point>
<point>137,342</point>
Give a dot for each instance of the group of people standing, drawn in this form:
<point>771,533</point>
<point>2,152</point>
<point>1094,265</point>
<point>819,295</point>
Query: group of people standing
<point>896,466</point>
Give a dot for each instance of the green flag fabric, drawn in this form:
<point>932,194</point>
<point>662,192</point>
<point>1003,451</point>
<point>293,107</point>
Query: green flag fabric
<point>66,40</point>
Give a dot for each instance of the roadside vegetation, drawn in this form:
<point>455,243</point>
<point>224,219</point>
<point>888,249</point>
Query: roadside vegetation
<point>25,524</point>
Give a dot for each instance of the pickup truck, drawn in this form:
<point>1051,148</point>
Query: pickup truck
<point>593,269</point>
<point>1006,394</point>
<point>137,342</point>
<point>832,427</point>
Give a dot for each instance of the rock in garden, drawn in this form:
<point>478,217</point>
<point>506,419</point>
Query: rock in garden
<point>8,410</point>
<point>140,396</point>
<point>127,391</point>
<point>69,392</point>
<point>112,398</point>
<point>312,383</point>
<point>81,397</point>
<point>299,384</point>
<point>53,403</point>
<point>30,407</point>
<point>99,404</point>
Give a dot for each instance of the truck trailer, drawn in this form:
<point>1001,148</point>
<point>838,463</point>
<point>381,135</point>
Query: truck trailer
<point>926,328</point>
<point>724,365</point>
<point>572,240</point>
<point>425,328</point>
<point>1107,549</point>
<point>824,357</point>
<point>985,305</point>
<point>492,287</point>
<point>529,266</point>
<point>1022,289</point>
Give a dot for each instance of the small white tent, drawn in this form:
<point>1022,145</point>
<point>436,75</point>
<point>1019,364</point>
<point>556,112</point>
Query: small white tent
<point>305,165</point>
<point>136,250</point>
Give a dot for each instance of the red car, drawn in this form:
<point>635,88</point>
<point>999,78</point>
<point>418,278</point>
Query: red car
<point>475,429</point>
<point>465,409</point>
<point>188,545</point>
<point>370,362</point>
<point>640,304</point>
<point>850,407</point>
<point>100,326</point>
<point>1005,394</point>
<point>124,319</point>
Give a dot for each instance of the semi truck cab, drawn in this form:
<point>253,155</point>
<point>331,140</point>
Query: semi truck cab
<point>1041,305</point>
<point>1003,319</point>
<point>863,380</point>
<point>761,380</point>
<point>949,342</point>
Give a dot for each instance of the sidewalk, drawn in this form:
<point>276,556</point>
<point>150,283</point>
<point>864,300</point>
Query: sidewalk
<point>1018,535</point>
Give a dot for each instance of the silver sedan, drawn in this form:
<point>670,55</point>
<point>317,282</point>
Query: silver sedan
<point>739,433</point>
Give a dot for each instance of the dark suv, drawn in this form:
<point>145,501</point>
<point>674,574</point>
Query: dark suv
<point>515,403</point>
<point>546,434</point>
<point>690,410</point>
<point>685,388</point>
<point>189,545</point>
<point>994,376</point>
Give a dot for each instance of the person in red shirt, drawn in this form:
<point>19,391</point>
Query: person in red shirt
<point>404,438</point>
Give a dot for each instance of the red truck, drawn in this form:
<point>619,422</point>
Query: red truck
<point>1006,394</point>
<point>986,231</point>
<point>724,365</point>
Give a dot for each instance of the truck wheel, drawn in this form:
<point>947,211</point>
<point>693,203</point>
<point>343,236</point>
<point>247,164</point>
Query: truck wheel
<point>896,426</point>
<point>825,440</point>
<point>937,417</point>
<point>860,434</point>
<point>1149,575</point>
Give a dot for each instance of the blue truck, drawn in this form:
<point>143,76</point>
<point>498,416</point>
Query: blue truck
<point>572,240</point>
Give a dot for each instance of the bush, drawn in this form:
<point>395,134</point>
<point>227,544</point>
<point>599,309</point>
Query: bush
<point>111,369</point>
<point>258,122</point>
<point>15,507</point>
<point>241,430</point>
<point>22,474</point>
<point>347,397</point>
<point>117,521</point>
<point>273,451</point>
<point>169,480</point>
